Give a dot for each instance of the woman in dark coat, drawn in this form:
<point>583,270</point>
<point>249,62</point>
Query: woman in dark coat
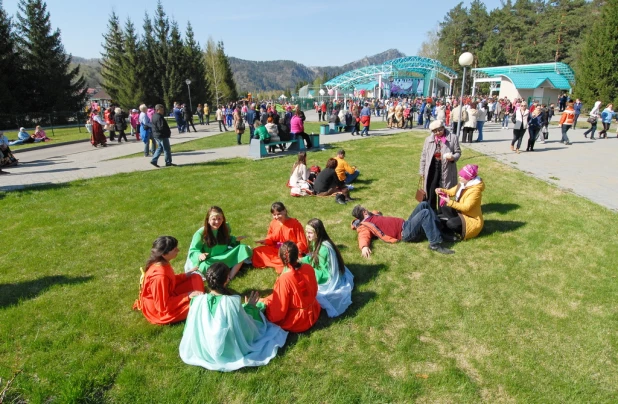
<point>439,161</point>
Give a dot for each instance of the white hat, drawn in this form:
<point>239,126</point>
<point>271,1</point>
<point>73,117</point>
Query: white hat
<point>22,129</point>
<point>436,124</point>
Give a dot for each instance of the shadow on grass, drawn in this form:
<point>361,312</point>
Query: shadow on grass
<point>13,293</point>
<point>500,226</point>
<point>29,188</point>
<point>193,152</point>
<point>500,208</point>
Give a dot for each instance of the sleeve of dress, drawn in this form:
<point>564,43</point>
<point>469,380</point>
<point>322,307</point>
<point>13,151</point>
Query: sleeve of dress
<point>322,272</point>
<point>304,173</point>
<point>197,244</point>
<point>164,303</point>
<point>253,311</point>
<point>271,236</point>
<point>472,200</point>
<point>301,238</point>
<point>277,303</point>
<point>456,148</point>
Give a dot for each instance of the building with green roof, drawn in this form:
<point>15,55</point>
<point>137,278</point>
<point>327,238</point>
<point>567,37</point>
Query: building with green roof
<point>543,81</point>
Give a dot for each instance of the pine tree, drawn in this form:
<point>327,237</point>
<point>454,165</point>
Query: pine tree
<point>175,69</point>
<point>147,58</point>
<point>492,53</point>
<point>196,69</point>
<point>131,90</point>
<point>9,65</point>
<point>231,94</point>
<point>112,66</point>
<point>160,52</point>
<point>51,84</point>
<point>597,73</point>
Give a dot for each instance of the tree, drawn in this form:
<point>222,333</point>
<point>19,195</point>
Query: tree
<point>230,91</point>
<point>131,90</point>
<point>160,52</point>
<point>175,68</point>
<point>9,65</point>
<point>112,66</point>
<point>429,47</point>
<point>597,72</point>
<point>51,84</point>
<point>492,53</point>
<point>196,69</point>
<point>214,71</point>
<point>147,58</point>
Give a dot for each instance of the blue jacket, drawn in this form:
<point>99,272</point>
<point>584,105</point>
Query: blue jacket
<point>250,117</point>
<point>178,114</point>
<point>24,135</point>
<point>578,108</point>
<point>606,116</point>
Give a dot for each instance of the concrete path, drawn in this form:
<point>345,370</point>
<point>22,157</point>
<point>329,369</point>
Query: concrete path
<point>587,168</point>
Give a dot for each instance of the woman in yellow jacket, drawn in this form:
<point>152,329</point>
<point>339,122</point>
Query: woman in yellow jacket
<point>463,214</point>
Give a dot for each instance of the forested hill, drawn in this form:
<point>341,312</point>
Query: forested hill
<point>281,74</point>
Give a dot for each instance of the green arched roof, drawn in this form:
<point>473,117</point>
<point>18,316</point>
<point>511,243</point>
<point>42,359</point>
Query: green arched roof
<point>531,76</point>
<point>389,69</point>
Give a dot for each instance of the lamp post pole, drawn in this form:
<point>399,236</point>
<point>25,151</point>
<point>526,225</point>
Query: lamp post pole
<point>465,60</point>
<point>189,88</point>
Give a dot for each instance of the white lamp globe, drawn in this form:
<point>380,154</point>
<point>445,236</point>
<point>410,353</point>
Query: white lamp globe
<point>466,59</point>
<point>321,91</point>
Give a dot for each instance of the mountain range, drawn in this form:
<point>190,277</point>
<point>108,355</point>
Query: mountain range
<point>260,76</point>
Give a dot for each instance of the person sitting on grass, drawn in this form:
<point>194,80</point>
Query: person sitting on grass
<point>24,137</point>
<point>327,183</point>
<point>164,297</point>
<point>293,305</point>
<point>223,334</point>
<point>214,242</point>
<point>282,228</point>
<point>299,178</point>
<point>335,281</point>
<point>39,133</point>
<point>6,156</point>
<point>345,172</point>
<point>422,223</point>
<point>463,215</point>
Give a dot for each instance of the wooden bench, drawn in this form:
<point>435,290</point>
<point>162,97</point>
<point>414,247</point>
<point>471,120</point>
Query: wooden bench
<point>257,148</point>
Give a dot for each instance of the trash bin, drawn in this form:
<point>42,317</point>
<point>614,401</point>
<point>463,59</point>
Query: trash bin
<point>324,130</point>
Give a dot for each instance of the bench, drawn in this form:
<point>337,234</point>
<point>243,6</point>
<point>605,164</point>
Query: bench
<point>257,148</point>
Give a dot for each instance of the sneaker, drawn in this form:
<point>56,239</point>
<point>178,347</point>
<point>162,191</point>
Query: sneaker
<point>451,238</point>
<point>440,249</point>
<point>154,164</point>
<point>350,187</point>
<point>567,143</point>
<point>171,165</point>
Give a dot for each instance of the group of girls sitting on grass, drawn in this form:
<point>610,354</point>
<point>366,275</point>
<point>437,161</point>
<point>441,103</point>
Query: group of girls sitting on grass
<point>325,182</point>
<point>221,333</point>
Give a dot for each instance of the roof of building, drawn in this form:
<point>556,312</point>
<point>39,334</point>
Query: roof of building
<point>367,86</point>
<point>532,76</point>
<point>101,95</point>
<point>535,80</point>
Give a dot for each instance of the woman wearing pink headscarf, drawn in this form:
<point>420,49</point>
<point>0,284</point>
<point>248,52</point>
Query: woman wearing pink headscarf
<point>460,206</point>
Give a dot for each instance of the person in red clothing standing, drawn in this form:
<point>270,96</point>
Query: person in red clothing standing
<point>293,304</point>
<point>164,296</point>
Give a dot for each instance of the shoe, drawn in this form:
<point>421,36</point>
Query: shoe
<point>593,138</point>
<point>440,249</point>
<point>512,148</point>
<point>154,164</point>
<point>350,187</point>
<point>4,172</point>
<point>517,151</point>
<point>567,143</point>
<point>585,135</point>
<point>171,165</point>
<point>451,238</point>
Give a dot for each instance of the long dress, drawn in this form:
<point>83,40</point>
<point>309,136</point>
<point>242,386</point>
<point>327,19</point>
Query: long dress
<point>220,334</point>
<point>230,254</point>
<point>334,288</point>
<point>164,297</point>
<point>293,305</point>
<point>97,137</point>
<point>268,254</point>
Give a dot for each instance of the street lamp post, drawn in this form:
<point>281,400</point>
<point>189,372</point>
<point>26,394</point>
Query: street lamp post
<point>188,81</point>
<point>465,60</point>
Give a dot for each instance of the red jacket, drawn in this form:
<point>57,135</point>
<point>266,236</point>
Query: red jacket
<point>367,231</point>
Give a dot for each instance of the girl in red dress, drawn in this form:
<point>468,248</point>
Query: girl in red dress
<point>164,297</point>
<point>282,228</point>
<point>293,305</point>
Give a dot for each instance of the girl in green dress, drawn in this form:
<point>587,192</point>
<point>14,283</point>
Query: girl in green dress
<point>214,243</point>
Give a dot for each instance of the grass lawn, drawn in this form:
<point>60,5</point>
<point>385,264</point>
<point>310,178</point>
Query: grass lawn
<point>524,313</point>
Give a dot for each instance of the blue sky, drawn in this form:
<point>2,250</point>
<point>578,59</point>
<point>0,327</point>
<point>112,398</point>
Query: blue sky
<point>315,33</point>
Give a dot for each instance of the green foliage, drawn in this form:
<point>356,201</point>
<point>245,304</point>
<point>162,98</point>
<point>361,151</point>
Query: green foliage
<point>219,73</point>
<point>597,68</point>
<point>113,57</point>
<point>9,71</point>
<point>194,58</point>
<point>47,82</point>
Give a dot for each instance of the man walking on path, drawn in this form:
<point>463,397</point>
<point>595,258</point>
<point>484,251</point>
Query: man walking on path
<point>161,133</point>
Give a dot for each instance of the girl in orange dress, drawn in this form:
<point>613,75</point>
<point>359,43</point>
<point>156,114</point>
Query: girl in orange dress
<point>282,228</point>
<point>293,305</point>
<point>164,297</point>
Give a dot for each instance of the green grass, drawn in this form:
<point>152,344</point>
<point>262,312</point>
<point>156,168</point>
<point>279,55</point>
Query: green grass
<point>525,313</point>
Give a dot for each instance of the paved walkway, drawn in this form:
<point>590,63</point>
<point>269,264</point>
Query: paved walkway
<point>587,168</point>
